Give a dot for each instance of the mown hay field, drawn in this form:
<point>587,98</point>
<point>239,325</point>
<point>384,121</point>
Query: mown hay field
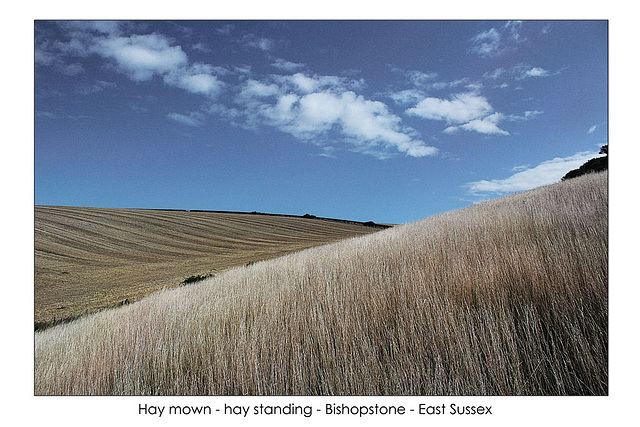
<point>506,297</point>
<point>87,259</point>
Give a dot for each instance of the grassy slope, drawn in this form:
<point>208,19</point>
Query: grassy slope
<point>507,297</point>
<point>90,258</point>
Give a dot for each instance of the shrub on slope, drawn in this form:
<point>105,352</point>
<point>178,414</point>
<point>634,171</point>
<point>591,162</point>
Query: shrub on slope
<point>506,297</point>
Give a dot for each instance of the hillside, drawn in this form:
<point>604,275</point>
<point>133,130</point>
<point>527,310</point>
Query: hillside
<point>506,297</point>
<point>92,258</point>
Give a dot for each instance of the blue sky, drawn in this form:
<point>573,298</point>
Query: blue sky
<point>389,121</point>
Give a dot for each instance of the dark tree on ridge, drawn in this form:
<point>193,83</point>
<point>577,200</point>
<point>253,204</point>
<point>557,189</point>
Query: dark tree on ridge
<point>594,165</point>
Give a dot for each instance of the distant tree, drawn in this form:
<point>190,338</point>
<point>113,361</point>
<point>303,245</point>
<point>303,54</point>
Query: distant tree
<point>594,165</point>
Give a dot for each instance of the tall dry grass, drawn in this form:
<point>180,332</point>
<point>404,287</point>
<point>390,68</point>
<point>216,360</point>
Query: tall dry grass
<point>507,297</point>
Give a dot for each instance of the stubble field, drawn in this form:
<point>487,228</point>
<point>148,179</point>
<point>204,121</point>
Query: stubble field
<point>88,259</point>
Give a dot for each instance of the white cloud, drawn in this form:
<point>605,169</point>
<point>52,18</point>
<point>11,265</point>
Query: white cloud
<point>424,82</point>
<point>592,129</point>
<point>201,47</point>
<point>486,43</point>
<point>88,89</point>
<point>300,82</point>
<point>253,88</point>
<point>464,111</point>
<point>419,78</point>
<point>319,111</point>
<point>199,83</point>
<point>102,27</point>
<point>316,108</point>
<point>487,125</point>
<point>193,119</point>
<point>43,57</point>
<point>284,65</point>
<point>310,107</point>
<point>283,112</point>
<point>545,173</point>
<point>198,79</point>
<point>462,107</point>
<point>528,115</point>
<point>304,83</point>
<point>72,69</point>
<point>142,56</point>
<point>496,41</point>
<point>261,43</point>
<point>370,123</point>
<point>408,96</point>
<point>518,72</point>
<point>498,72</point>
<point>534,72</point>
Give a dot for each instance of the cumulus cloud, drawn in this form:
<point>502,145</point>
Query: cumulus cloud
<point>197,78</point>
<point>462,107</point>
<point>202,83</point>
<point>254,88</point>
<point>309,107</point>
<point>545,173</point>
<point>142,56</point>
<point>463,111</point>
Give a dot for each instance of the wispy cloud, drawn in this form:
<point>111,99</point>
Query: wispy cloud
<point>487,125</point>
<point>487,43</point>
<point>496,41</point>
<point>261,43</point>
<point>545,173</point>
<point>534,72</point>
<point>200,47</point>
<point>592,129</point>
<point>99,86</point>
<point>528,115</point>
<point>519,72</point>
<point>422,85</point>
<point>284,65</point>
<point>194,119</point>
